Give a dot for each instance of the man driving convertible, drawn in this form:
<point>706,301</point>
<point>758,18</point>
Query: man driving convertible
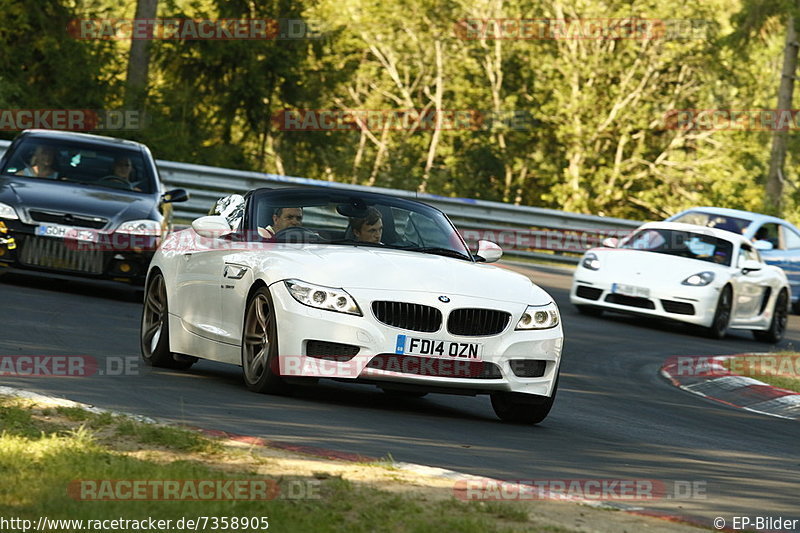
<point>282,218</point>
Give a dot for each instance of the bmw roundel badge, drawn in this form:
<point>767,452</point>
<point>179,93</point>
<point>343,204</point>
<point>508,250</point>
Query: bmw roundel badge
<point>444,299</point>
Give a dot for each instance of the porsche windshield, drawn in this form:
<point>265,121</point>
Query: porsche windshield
<point>352,219</point>
<point>681,243</point>
<point>96,165</point>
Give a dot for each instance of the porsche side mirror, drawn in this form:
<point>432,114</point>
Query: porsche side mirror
<point>763,246</point>
<point>212,226</point>
<point>488,252</point>
<point>610,242</point>
<point>175,195</point>
<point>751,265</point>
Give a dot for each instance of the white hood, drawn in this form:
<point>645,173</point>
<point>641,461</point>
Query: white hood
<point>364,267</point>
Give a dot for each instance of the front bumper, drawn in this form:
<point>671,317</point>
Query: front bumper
<point>362,348</point>
<point>115,257</point>
<point>693,305</point>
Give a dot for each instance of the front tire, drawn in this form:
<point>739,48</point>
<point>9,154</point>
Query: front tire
<point>154,330</point>
<point>260,365</point>
<point>780,316</point>
<point>520,408</point>
<point>722,316</point>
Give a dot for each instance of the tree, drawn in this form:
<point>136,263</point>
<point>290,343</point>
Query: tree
<point>43,66</point>
<point>754,18</point>
<point>139,60</point>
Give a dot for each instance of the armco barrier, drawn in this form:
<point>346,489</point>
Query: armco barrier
<point>526,232</point>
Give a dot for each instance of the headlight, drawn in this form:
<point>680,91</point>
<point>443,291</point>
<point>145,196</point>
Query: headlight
<point>321,297</point>
<point>539,317</point>
<point>700,279</point>
<point>141,227</point>
<point>590,261</point>
<point>7,211</point>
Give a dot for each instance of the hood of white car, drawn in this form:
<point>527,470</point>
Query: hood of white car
<point>627,266</point>
<point>375,268</point>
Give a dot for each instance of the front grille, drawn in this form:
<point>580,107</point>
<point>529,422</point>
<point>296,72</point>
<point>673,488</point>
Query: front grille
<point>415,317</point>
<point>332,351</point>
<point>477,322</point>
<point>679,308</point>
<point>430,366</point>
<point>590,293</point>
<point>68,219</point>
<point>528,368</point>
<point>630,301</point>
<point>50,252</point>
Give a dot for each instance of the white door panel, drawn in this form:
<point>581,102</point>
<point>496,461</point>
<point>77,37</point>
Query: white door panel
<point>197,291</point>
<point>234,286</point>
<point>749,293</point>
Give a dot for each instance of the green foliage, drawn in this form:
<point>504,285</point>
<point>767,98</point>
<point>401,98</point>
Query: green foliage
<point>599,141</point>
<point>42,65</point>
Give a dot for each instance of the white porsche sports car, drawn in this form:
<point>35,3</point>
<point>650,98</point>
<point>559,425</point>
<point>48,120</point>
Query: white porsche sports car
<point>704,276</point>
<point>293,284</point>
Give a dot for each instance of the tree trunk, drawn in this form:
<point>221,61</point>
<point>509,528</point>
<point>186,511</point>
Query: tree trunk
<point>438,97</point>
<point>774,186</point>
<point>139,60</point>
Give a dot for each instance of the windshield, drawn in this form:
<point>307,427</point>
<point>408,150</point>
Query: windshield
<point>100,166</point>
<point>682,243</point>
<point>351,219</point>
<point>724,222</point>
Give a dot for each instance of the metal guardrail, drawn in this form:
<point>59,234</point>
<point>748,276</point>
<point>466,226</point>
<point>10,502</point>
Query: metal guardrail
<point>526,232</point>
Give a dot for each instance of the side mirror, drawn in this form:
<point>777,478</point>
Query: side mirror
<point>212,226</point>
<point>751,265</point>
<point>763,246</point>
<point>610,242</point>
<point>175,195</point>
<point>488,252</point>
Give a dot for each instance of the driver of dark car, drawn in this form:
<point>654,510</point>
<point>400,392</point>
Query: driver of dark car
<point>122,173</point>
<point>282,218</point>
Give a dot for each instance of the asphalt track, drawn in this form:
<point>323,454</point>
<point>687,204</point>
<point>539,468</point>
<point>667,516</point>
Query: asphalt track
<point>614,418</point>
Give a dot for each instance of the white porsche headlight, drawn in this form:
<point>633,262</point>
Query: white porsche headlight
<point>700,279</point>
<point>141,227</point>
<point>539,317</point>
<point>321,297</point>
<point>7,211</point>
<point>590,261</point>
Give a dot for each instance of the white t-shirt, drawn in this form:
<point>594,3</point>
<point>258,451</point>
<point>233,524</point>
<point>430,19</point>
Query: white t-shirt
<point>28,171</point>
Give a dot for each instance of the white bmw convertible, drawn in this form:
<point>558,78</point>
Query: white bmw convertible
<point>294,284</point>
<point>704,276</point>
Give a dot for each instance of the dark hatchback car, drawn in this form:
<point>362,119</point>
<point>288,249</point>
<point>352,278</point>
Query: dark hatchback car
<point>84,205</point>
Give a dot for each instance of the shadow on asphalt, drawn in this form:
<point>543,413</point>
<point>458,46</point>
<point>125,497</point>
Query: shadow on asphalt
<point>93,288</point>
<point>328,393</point>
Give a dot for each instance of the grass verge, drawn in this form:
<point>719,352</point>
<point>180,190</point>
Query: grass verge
<point>47,455</point>
<point>780,369</point>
